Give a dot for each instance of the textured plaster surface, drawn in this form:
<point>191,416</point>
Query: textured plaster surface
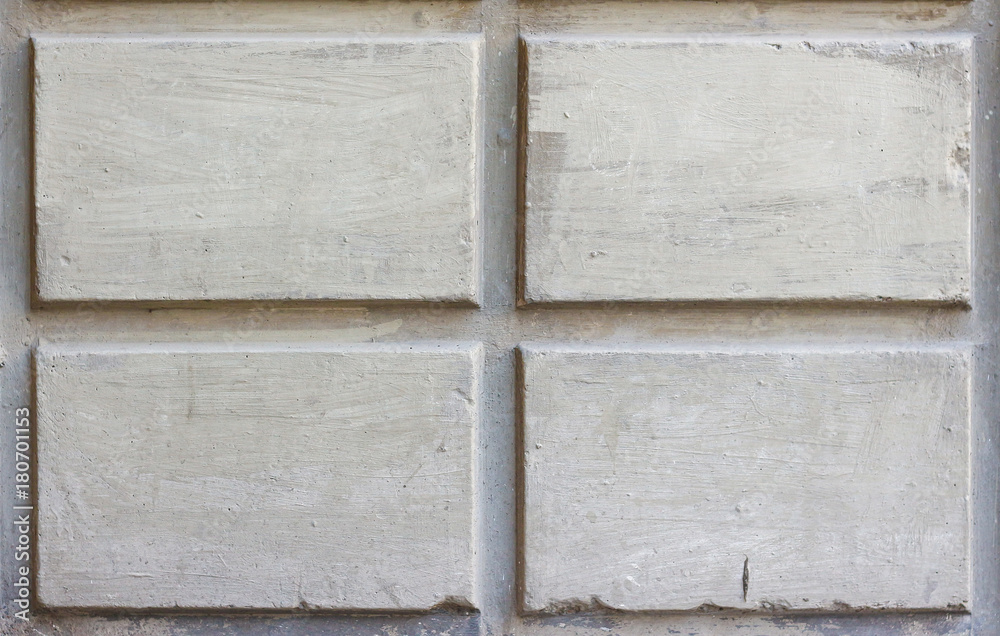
<point>206,168</point>
<point>320,478</point>
<point>735,168</point>
<point>658,479</point>
<point>498,323</point>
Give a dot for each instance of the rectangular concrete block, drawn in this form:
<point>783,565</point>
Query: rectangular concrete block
<point>256,167</point>
<point>196,476</point>
<point>747,169</point>
<point>662,479</point>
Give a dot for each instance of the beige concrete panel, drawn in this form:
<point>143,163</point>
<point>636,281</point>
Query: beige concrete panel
<point>659,479</point>
<point>336,477</point>
<point>745,168</point>
<point>256,167</point>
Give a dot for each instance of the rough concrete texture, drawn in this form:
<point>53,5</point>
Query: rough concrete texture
<point>199,167</point>
<point>736,168</point>
<point>670,480</point>
<point>498,323</point>
<point>321,478</point>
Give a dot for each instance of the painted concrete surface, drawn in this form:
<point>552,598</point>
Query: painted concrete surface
<point>205,168</point>
<point>746,168</point>
<point>498,322</point>
<point>805,480</point>
<point>313,478</point>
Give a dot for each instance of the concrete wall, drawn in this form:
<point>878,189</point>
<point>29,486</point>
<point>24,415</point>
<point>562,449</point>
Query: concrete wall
<point>495,318</point>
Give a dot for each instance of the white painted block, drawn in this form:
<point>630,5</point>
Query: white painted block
<point>248,167</point>
<point>325,478</point>
<point>657,479</point>
<point>723,169</point>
